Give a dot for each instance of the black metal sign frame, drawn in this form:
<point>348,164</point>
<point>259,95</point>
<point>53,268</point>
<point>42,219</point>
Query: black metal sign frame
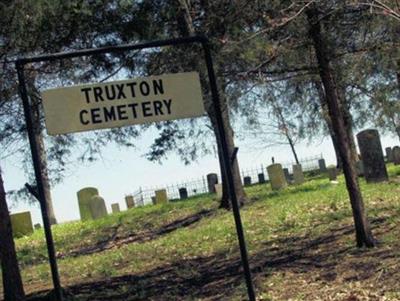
<point>226,156</point>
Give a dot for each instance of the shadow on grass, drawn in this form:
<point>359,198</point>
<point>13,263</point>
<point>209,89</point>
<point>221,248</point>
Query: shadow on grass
<point>217,277</point>
<point>116,241</point>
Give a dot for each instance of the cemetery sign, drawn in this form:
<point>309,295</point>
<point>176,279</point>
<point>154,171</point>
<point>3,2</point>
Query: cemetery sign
<point>120,103</point>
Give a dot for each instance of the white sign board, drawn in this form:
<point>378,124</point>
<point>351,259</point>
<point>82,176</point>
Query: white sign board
<point>120,103</point>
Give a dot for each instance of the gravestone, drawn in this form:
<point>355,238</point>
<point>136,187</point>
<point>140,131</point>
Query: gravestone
<point>97,207</point>
<point>21,224</point>
<point>370,147</point>
<point>389,157</point>
<point>396,155</point>
<point>37,226</point>
<point>276,176</point>
<point>261,178</point>
<point>218,190</point>
<point>212,179</point>
<point>247,181</point>
<point>183,194</point>
<point>322,165</point>
<point>115,208</point>
<point>332,173</point>
<point>287,174</point>
<point>84,197</point>
<point>298,176</point>
<point>130,201</point>
<point>161,196</point>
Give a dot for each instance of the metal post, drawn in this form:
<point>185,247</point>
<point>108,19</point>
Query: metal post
<point>39,181</point>
<point>228,169</point>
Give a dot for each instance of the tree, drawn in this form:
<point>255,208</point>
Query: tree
<point>332,35</point>
<point>363,232</point>
<point>12,282</point>
<point>274,121</point>
<point>375,69</point>
<point>286,59</point>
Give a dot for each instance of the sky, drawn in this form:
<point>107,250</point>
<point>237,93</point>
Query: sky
<point>123,171</point>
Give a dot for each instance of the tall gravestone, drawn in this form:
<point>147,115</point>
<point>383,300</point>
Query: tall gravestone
<point>389,157</point>
<point>261,178</point>
<point>97,207</point>
<point>372,156</point>
<point>396,155</point>
<point>115,208</point>
<point>247,181</point>
<point>298,176</point>
<point>322,165</point>
<point>276,176</point>
<point>183,193</point>
<point>130,201</point>
<point>84,197</point>
<point>161,196</point>
<point>21,224</point>
<point>212,179</point>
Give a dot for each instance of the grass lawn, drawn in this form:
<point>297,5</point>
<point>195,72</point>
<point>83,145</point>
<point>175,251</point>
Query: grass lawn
<point>300,240</point>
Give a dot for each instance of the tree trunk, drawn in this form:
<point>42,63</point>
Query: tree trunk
<point>325,115</point>
<point>363,232</point>
<point>292,148</point>
<point>348,122</point>
<point>239,190</point>
<point>283,124</point>
<point>398,85</point>
<point>335,142</point>
<point>12,282</point>
<point>43,156</point>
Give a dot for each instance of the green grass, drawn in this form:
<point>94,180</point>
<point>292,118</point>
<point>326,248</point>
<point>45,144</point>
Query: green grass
<point>272,221</point>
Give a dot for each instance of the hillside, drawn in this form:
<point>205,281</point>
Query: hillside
<point>300,241</point>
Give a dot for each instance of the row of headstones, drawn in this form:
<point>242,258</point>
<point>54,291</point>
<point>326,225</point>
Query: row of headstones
<point>278,177</point>
<point>372,164</point>
<point>393,155</point>
<point>92,206</point>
